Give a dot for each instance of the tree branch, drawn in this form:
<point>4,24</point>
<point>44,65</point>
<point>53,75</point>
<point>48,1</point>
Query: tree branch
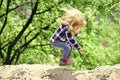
<point>49,8</point>
<point>1,3</point>
<point>5,22</point>
<point>14,9</point>
<point>22,48</point>
<point>39,45</point>
<point>25,38</point>
<point>1,54</point>
<point>45,10</point>
<point>21,33</point>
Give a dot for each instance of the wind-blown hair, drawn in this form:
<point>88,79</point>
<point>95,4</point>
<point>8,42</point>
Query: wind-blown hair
<point>72,17</point>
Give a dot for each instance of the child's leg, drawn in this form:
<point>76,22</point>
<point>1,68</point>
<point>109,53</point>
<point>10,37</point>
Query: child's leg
<point>66,48</point>
<point>66,51</point>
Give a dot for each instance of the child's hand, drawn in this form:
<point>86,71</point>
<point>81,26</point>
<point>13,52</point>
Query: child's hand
<point>78,35</point>
<point>81,49</point>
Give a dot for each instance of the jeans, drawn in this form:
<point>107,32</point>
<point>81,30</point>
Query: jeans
<point>67,48</point>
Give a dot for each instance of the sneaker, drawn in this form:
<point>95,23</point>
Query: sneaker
<point>66,62</point>
<point>70,61</point>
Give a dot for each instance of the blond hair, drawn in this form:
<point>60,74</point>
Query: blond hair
<point>72,17</point>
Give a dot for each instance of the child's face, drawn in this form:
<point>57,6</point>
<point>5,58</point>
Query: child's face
<point>76,27</point>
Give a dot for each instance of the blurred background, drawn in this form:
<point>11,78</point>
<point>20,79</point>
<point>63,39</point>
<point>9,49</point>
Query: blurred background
<point>27,25</point>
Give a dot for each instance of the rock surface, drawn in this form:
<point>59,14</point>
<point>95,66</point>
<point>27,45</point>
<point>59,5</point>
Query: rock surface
<point>54,72</point>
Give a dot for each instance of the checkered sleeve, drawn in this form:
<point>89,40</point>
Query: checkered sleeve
<point>72,41</point>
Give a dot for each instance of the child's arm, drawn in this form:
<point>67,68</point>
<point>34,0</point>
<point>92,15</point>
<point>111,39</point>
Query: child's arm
<point>72,41</point>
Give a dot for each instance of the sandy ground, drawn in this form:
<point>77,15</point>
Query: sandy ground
<point>54,72</point>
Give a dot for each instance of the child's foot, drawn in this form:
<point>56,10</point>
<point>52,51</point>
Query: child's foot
<point>66,62</point>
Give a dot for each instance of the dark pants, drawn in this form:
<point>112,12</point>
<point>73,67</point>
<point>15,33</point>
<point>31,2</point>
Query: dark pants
<point>67,48</point>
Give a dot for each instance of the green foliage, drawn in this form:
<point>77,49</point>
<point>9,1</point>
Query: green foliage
<point>100,38</point>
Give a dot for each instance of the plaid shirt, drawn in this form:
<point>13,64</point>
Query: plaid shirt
<point>62,34</point>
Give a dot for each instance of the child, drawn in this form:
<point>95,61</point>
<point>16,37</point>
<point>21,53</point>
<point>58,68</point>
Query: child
<point>70,22</point>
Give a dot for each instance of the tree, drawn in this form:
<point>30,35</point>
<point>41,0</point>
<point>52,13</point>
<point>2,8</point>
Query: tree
<point>8,51</point>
